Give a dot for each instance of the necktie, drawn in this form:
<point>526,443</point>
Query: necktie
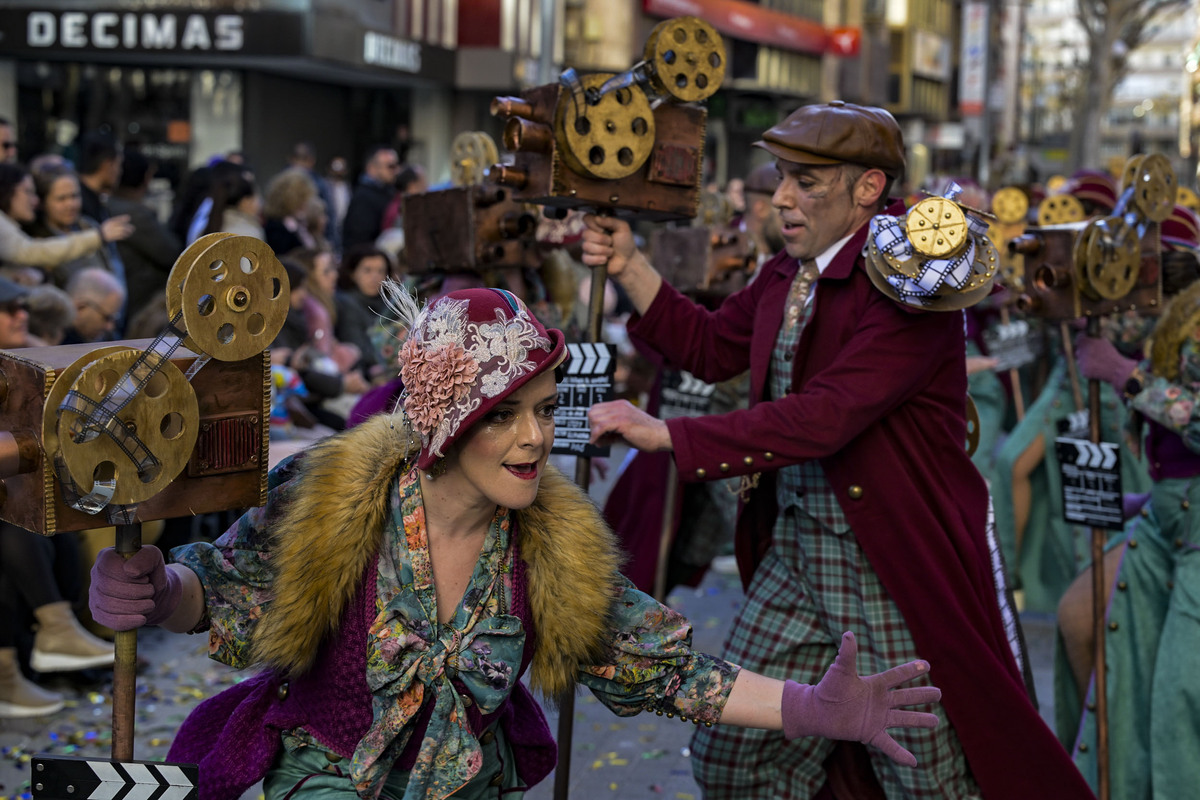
<point>798,296</point>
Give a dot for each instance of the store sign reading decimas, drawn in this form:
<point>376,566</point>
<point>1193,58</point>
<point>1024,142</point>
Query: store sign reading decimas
<point>588,380</point>
<point>109,30</point>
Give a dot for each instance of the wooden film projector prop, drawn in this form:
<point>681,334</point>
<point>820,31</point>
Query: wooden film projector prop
<point>475,226</point>
<point>628,144</point>
<point>121,433</point>
<point>709,260</point>
<point>1105,265</point>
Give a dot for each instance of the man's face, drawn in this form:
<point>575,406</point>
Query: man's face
<point>8,143</point>
<point>95,318</point>
<point>815,206</point>
<point>14,324</point>
<point>111,172</point>
<point>385,166</point>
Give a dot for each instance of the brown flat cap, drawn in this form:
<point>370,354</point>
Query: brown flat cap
<point>763,179</point>
<point>837,133</point>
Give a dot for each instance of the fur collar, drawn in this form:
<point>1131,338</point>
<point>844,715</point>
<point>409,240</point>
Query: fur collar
<point>333,526</point>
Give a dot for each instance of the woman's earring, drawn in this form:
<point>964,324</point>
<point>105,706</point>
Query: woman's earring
<point>437,470</point>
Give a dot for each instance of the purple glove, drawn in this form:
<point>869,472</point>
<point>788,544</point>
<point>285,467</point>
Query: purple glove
<point>1099,359</point>
<point>845,706</point>
<point>127,594</point>
<point>1131,504</point>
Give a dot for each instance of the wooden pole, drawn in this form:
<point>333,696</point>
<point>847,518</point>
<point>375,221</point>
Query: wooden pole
<point>1099,537</point>
<point>129,541</point>
<point>583,477</point>
<point>666,535</point>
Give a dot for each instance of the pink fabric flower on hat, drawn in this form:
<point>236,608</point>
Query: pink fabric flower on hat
<point>434,380</point>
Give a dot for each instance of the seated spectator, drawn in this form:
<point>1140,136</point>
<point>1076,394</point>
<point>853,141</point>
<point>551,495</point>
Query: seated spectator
<point>359,304</point>
<point>285,210</point>
<point>234,204</point>
<point>320,308</point>
<point>151,251</point>
<point>98,298</point>
<point>59,213</point>
<point>51,313</point>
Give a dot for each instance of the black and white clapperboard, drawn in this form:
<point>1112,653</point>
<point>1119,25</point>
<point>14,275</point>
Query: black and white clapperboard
<point>1013,345</point>
<point>684,395</point>
<point>1091,482</point>
<point>74,778</point>
<point>589,380</point>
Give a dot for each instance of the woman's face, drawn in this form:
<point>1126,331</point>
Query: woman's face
<point>24,201</point>
<point>501,459</point>
<point>325,273</point>
<point>14,324</point>
<point>63,202</point>
<point>369,274</point>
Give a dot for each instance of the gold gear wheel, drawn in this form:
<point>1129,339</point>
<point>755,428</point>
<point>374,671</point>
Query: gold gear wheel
<point>937,227</point>
<point>972,427</point>
<point>1156,187</point>
<point>1188,199</point>
<point>1107,257</point>
<point>611,139</point>
<point>164,415</point>
<point>1010,204</point>
<point>687,59</point>
<point>1060,209</point>
<point>471,154</point>
<point>234,298</point>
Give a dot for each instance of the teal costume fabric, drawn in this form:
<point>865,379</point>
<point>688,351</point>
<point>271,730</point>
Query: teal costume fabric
<point>1053,551</point>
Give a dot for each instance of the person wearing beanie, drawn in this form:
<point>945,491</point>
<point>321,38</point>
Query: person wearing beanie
<point>861,508</point>
<point>405,574</point>
<point>1152,617</point>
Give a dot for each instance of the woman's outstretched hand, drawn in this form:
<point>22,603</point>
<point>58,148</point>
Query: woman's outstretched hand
<point>846,706</point>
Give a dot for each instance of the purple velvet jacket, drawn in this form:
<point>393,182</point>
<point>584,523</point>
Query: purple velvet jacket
<point>879,397</point>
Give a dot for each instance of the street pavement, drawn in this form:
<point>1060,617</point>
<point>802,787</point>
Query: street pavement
<point>645,756</point>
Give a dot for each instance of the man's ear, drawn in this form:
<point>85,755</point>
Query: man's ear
<point>869,188</point>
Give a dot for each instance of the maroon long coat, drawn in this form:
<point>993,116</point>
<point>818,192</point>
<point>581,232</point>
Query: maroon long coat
<point>878,396</point>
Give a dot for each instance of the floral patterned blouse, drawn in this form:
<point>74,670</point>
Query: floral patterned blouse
<point>412,658</point>
<point>1176,405</point>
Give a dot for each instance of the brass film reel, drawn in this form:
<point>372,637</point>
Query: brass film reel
<point>610,138</point>
<point>1107,258</point>
<point>1155,187</point>
<point>180,269</point>
<point>163,416</point>
<point>1060,209</point>
<point>1188,199</point>
<point>937,227</point>
<point>687,58</point>
<point>234,298</point>
<point>1010,204</point>
<point>471,154</point>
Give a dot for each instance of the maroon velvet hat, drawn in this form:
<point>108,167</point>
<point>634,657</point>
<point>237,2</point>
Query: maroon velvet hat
<point>1097,187</point>
<point>464,353</point>
<point>1181,230</point>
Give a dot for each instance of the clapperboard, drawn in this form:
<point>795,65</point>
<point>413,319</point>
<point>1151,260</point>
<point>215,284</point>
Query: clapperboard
<point>73,778</point>
<point>684,395</point>
<point>1013,345</point>
<point>1091,482</point>
<point>589,380</point>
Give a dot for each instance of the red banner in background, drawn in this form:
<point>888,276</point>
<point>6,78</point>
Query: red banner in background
<point>749,22</point>
<point>845,41</point>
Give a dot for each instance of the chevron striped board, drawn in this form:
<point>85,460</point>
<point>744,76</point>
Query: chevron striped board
<point>684,395</point>
<point>74,778</point>
<point>1091,482</point>
<point>588,380</point>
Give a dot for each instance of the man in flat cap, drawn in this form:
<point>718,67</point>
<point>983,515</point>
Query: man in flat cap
<point>862,510</point>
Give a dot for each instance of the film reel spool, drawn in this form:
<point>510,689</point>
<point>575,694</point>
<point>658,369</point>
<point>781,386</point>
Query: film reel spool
<point>937,227</point>
<point>1107,258</point>
<point>1060,209</point>
<point>1188,199</point>
<point>471,154</point>
<point>607,139</point>
<point>179,270</point>
<point>234,297</point>
<point>687,58</point>
<point>1010,205</point>
<point>1155,186</point>
<point>164,417</point>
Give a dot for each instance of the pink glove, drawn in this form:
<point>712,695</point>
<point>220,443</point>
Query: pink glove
<point>845,706</point>
<point>127,594</point>
<point>1099,359</point>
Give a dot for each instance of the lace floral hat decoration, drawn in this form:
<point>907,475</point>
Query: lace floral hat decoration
<point>464,353</point>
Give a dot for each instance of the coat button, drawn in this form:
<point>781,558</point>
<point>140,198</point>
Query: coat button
<point>1122,586</point>
<point>497,779</point>
<point>787,356</point>
<point>488,737</point>
<point>856,492</point>
<point>1179,542</point>
<point>769,456</point>
<point>1185,505</point>
<point>701,473</point>
<point>332,758</point>
<point>748,461</point>
<point>724,467</point>
<point>282,691</point>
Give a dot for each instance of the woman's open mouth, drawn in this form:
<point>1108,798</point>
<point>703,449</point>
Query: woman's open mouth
<point>525,472</point>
